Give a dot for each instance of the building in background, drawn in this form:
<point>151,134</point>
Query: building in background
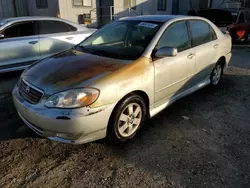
<point>10,8</point>
<point>104,11</point>
<point>43,7</point>
<point>100,12</point>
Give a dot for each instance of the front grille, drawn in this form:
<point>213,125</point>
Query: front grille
<point>29,92</point>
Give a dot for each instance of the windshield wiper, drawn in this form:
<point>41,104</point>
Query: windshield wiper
<point>87,49</point>
<point>103,53</point>
<point>110,54</point>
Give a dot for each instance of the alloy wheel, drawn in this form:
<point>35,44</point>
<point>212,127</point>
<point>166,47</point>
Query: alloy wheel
<point>216,76</point>
<point>130,119</point>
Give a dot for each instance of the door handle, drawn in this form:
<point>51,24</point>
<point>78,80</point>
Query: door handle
<point>191,56</point>
<point>33,42</point>
<point>69,38</point>
<point>216,46</point>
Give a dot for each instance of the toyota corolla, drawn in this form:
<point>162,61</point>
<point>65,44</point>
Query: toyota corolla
<point>108,85</point>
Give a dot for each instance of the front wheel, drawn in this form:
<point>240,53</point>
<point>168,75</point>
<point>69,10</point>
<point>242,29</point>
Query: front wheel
<point>127,119</point>
<point>216,74</point>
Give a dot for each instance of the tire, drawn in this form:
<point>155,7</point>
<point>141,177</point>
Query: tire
<point>216,74</point>
<point>126,120</point>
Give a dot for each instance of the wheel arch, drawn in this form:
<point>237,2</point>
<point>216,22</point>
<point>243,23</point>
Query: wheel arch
<point>141,93</point>
<point>222,61</point>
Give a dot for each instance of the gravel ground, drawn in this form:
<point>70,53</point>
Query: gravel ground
<point>200,141</point>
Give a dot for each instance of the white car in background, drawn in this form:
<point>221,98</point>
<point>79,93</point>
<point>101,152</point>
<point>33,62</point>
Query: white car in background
<point>24,40</point>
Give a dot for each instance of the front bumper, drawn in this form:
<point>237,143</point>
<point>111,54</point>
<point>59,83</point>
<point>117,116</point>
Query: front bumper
<point>75,126</point>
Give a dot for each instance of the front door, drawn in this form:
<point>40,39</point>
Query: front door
<point>55,37</point>
<point>20,45</point>
<point>172,74</point>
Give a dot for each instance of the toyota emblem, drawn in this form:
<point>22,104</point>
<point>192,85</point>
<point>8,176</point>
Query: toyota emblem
<point>27,89</point>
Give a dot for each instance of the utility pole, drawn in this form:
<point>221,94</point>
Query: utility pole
<point>14,8</point>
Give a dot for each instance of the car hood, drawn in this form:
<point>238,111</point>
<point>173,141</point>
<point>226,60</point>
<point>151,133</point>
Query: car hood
<point>70,69</point>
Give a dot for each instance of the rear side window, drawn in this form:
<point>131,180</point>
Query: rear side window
<point>22,29</point>
<point>201,32</point>
<point>175,36</point>
<point>51,27</point>
<point>72,28</point>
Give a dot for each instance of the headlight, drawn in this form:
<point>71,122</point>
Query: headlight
<point>73,98</point>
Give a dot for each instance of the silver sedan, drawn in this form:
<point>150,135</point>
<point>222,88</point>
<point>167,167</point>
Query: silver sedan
<point>24,40</point>
<point>130,70</point>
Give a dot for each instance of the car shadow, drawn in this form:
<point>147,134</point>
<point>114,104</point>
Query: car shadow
<point>11,126</point>
<point>187,141</point>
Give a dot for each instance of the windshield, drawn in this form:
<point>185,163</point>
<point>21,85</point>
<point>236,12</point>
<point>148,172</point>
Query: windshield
<point>121,40</point>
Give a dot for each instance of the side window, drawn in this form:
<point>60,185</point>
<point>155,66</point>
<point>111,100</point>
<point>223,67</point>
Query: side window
<point>72,28</point>
<point>51,27</point>
<point>202,32</point>
<point>19,30</point>
<point>214,36</point>
<point>162,5</point>
<point>41,4</point>
<point>175,36</point>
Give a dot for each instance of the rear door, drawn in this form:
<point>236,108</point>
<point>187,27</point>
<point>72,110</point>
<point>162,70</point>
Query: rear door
<point>55,36</point>
<point>20,45</point>
<point>205,45</point>
<point>173,74</point>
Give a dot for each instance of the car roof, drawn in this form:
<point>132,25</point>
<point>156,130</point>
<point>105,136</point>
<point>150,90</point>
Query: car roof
<point>34,18</point>
<point>29,18</point>
<point>154,18</point>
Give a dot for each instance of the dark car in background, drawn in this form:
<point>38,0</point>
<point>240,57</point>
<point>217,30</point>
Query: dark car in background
<point>240,29</point>
<point>235,21</point>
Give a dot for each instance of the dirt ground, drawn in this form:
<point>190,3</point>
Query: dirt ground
<point>208,148</point>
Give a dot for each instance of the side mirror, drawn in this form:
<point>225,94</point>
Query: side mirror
<point>166,52</point>
<point>1,36</point>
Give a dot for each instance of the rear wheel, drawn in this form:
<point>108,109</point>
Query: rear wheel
<point>216,74</point>
<point>127,119</point>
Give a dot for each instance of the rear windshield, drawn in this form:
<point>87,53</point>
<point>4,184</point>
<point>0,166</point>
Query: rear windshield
<point>221,18</point>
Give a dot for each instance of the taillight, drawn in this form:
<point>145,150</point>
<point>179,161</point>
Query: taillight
<point>241,33</point>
